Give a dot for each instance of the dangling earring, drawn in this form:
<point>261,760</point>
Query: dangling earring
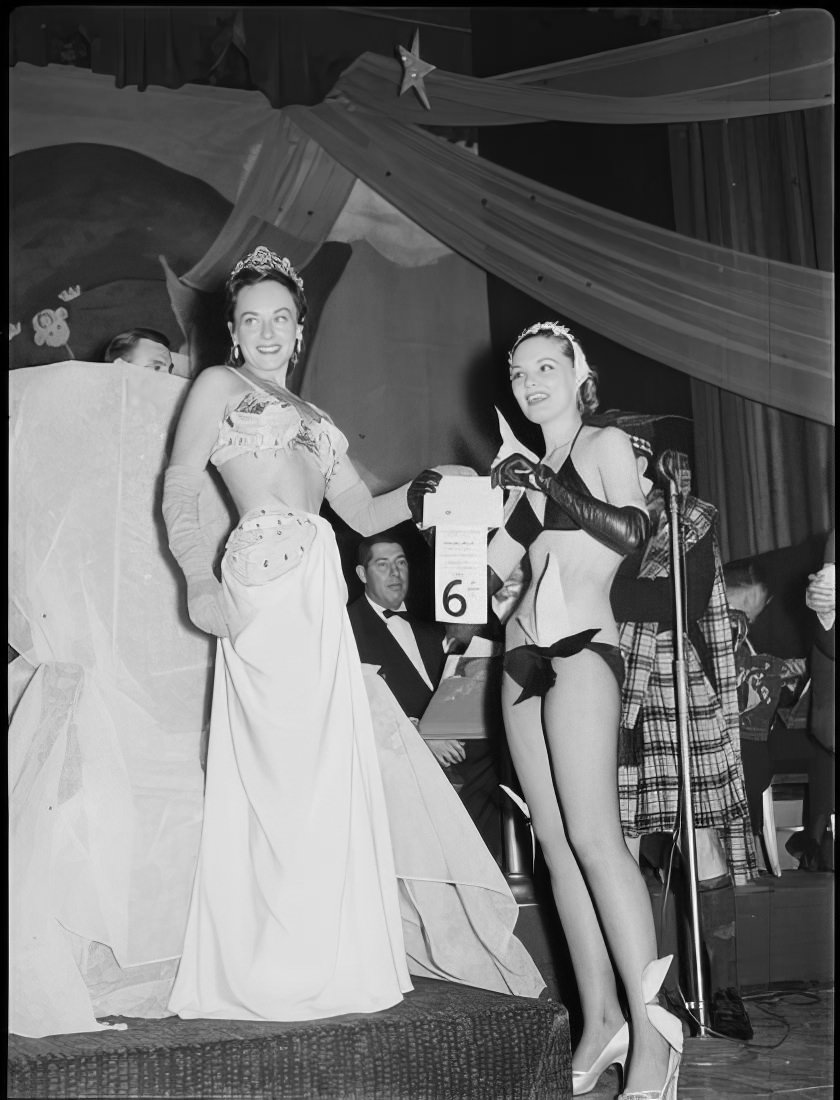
<point>296,353</point>
<point>236,354</point>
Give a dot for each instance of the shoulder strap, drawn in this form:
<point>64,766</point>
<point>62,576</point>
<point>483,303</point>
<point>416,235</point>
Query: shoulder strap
<point>577,433</point>
<point>248,381</point>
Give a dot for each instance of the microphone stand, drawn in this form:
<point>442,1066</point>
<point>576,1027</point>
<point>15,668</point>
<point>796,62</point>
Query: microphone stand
<point>681,683</point>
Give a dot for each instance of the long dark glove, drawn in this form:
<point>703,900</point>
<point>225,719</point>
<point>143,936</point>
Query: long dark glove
<point>622,529</point>
<point>425,482</point>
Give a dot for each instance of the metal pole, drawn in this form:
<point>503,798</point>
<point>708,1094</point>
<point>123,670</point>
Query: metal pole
<point>689,843</point>
<point>517,873</point>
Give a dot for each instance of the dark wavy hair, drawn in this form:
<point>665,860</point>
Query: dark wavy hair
<point>745,573</point>
<point>127,341</point>
<point>364,551</point>
<point>250,276</point>
<point>587,394</point>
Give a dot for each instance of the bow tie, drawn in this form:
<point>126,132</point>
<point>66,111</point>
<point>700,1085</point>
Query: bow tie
<point>388,614</point>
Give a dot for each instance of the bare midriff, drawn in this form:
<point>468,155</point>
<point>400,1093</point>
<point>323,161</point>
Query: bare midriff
<point>282,478</point>
<point>587,569</point>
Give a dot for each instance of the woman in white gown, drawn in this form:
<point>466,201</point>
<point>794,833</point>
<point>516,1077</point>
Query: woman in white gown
<point>294,912</point>
<point>298,907</point>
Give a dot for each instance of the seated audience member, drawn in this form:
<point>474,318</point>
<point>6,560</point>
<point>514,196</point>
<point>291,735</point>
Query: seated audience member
<point>815,844</point>
<point>763,681</point>
<point>410,655</point>
<point>142,346</point>
<point>649,750</point>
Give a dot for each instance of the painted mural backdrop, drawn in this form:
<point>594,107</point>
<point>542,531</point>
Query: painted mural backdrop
<point>89,223</point>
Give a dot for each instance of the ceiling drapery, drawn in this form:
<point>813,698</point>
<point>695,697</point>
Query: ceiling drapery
<point>292,54</point>
<point>294,184</point>
<point>754,327</point>
<point>779,62</point>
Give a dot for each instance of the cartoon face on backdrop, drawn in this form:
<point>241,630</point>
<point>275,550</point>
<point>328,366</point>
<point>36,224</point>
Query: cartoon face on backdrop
<point>51,327</point>
<point>136,211</point>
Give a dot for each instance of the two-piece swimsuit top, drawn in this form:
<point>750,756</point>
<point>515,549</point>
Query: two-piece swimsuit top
<point>523,523</point>
<point>262,421</point>
<point>530,665</point>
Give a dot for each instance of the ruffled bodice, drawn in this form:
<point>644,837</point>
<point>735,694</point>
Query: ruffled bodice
<point>260,421</point>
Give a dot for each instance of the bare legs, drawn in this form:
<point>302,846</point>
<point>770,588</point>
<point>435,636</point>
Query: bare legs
<point>602,1015</point>
<point>595,881</point>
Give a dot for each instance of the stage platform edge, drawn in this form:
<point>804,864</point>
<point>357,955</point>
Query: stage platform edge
<point>443,1042</point>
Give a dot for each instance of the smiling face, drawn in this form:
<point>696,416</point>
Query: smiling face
<point>386,574</point>
<point>542,377</point>
<point>265,325</point>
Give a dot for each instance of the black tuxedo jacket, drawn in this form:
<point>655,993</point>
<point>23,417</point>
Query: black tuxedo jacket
<point>378,646</point>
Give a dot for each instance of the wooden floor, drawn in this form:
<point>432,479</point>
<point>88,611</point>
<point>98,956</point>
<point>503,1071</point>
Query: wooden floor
<point>790,1055</point>
<point>785,953</point>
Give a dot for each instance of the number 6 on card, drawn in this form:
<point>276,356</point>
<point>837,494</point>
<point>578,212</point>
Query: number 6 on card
<point>461,574</point>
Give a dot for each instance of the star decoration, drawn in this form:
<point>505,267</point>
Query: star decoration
<point>415,70</point>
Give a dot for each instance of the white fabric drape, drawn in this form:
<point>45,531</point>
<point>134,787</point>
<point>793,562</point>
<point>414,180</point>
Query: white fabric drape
<point>105,778</point>
<point>782,61</point>
<point>756,328</point>
<point>752,326</point>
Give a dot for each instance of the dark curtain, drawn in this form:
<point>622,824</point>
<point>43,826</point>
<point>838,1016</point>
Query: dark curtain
<point>292,54</point>
<point>139,45</point>
<point>764,186</point>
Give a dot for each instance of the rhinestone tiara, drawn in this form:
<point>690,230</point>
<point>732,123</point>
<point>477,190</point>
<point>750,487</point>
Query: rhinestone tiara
<point>263,259</point>
<point>554,328</point>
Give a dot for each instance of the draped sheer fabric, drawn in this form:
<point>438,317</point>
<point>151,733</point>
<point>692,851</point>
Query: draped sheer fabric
<point>758,328</point>
<point>779,62</point>
<point>105,776</point>
<point>293,183</point>
<point>753,326</point>
<point>458,914</point>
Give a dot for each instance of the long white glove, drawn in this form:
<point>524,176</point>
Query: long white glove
<point>192,549</point>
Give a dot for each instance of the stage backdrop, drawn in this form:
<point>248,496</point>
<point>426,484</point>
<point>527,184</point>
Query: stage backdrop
<point>432,220</point>
<point>118,194</point>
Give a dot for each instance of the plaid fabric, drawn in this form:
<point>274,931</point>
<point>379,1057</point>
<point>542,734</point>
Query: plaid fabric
<point>649,768</point>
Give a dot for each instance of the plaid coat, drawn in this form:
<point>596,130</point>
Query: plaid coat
<point>649,763</point>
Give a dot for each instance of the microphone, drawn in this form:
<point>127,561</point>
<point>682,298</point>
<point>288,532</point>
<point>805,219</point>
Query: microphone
<point>673,466</point>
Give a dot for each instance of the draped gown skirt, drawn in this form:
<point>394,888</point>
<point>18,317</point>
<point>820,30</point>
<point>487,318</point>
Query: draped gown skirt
<point>294,912</point>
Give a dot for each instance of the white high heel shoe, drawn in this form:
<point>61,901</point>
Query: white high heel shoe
<point>668,1026</point>
<point>614,1053</point>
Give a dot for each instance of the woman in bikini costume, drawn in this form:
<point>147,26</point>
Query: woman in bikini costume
<point>294,912</point>
<point>579,512</point>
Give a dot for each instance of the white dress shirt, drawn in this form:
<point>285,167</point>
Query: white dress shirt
<point>404,636</point>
